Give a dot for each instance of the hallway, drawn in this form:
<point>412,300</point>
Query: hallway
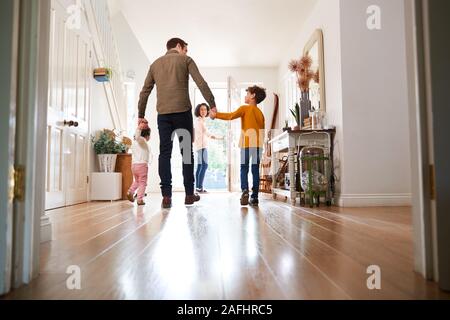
<point>219,250</point>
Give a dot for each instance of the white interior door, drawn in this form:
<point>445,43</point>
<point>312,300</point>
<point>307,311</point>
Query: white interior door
<point>68,112</point>
<point>55,191</point>
<point>77,109</point>
<point>234,165</point>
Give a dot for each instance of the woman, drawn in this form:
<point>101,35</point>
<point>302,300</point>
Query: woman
<point>202,137</point>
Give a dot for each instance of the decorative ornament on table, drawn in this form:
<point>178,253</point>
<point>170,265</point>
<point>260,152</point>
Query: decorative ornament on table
<point>302,68</point>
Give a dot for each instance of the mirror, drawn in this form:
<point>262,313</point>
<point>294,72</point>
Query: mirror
<point>314,49</point>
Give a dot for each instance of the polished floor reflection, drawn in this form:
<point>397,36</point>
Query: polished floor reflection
<point>220,250</point>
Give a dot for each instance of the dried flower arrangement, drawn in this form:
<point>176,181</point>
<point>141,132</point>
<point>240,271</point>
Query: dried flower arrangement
<point>304,73</point>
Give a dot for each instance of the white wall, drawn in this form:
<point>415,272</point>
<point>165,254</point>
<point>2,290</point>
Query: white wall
<point>100,117</point>
<point>375,106</point>
<point>325,16</point>
<point>367,98</point>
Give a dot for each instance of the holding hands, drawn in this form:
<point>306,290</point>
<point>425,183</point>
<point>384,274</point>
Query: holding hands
<point>143,124</point>
<point>213,113</point>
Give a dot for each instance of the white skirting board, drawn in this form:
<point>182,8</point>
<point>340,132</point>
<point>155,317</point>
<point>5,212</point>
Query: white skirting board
<point>373,200</point>
<point>46,229</point>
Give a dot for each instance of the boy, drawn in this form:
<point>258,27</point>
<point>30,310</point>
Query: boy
<point>141,156</point>
<point>251,141</point>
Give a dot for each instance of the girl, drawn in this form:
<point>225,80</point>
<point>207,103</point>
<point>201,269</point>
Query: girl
<point>141,157</point>
<point>202,137</point>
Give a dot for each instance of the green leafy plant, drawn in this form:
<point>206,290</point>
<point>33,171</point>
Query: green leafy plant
<point>105,142</point>
<point>296,113</point>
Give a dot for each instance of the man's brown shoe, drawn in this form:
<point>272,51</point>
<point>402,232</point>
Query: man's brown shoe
<point>166,203</point>
<point>191,199</point>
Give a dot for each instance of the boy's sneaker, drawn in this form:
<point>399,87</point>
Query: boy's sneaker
<point>130,197</point>
<point>201,190</point>
<point>141,203</point>
<point>254,202</point>
<point>244,198</point>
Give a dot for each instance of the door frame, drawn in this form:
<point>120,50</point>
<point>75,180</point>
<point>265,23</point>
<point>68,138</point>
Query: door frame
<point>8,65</point>
<point>438,68</point>
<point>427,86</point>
<point>32,100</point>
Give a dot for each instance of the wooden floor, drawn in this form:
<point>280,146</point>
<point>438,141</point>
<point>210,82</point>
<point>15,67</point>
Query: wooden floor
<point>217,249</point>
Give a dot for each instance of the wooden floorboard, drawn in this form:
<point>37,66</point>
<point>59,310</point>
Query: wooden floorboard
<point>219,250</point>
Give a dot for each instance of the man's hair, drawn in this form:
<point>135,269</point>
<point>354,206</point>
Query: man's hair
<point>172,43</point>
<point>260,93</point>
<point>197,109</point>
<point>145,133</point>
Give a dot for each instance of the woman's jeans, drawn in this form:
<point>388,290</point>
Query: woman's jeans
<point>202,160</point>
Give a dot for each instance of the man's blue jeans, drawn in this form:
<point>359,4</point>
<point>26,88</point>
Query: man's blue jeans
<point>250,156</point>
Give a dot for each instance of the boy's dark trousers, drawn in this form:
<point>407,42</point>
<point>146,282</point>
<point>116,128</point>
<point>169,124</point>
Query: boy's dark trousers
<point>253,155</point>
<point>181,124</point>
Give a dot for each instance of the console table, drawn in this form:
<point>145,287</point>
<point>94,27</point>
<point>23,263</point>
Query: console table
<point>288,142</point>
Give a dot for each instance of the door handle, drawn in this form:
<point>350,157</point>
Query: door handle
<point>71,123</point>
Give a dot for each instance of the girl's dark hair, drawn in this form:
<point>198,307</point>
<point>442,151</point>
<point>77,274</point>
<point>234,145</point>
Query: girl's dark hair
<point>145,133</point>
<point>197,109</point>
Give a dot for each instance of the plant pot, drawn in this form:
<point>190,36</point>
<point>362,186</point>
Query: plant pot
<point>107,162</point>
<point>296,128</point>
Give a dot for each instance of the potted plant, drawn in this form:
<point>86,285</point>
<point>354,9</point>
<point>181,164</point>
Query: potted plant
<point>107,146</point>
<point>296,113</point>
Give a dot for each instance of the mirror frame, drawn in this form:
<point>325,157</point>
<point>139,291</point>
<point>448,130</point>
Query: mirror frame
<point>317,37</point>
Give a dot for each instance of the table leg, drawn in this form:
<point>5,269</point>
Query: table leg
<point>274,168</point>
<point>292,175</point>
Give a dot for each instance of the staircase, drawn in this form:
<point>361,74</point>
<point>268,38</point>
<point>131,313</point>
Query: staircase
<point>99,21</point>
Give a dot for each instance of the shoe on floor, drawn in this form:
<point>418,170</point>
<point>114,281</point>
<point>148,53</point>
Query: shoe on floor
<point>244,198</point>
<point>201,191</point>
<point>254,202</point>
<point>191,199</point>
<point>130,197</point>
<point>166,203</point>
<point>141,203</point>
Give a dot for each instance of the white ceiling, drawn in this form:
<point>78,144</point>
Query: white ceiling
<point>225,33</point>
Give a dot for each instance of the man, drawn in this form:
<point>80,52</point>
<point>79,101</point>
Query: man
<point>171,73</point>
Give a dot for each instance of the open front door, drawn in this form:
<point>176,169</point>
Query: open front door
<point>9,16</point>
<point>68,111</point>
<point>234,127</point>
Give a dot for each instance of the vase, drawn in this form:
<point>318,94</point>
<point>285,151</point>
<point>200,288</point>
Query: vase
<point>107,162</point>
<point>305,106</point>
